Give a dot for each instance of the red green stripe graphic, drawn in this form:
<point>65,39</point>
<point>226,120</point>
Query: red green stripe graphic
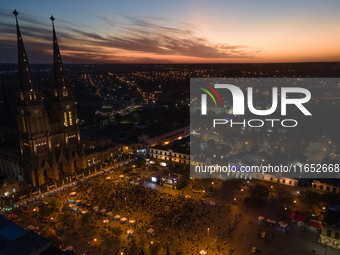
<point>213,90</point>
<point>209,95</point>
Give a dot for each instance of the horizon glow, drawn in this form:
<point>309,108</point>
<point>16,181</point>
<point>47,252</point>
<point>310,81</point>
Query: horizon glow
<point>174,32</point>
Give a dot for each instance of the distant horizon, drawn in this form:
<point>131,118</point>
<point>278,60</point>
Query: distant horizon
<point>245,63</point>
<point>174,32</point>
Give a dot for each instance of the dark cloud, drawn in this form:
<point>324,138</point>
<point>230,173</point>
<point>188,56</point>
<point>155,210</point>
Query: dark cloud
<point>151,35</point>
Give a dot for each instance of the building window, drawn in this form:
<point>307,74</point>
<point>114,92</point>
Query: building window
<point>30,96</point>
<point>70,117</point>
<point>21,96</point>
<point>336,235</point>
<point>65,119</point>
<point>24,124</point>
<point>35,96</point>
<point>34,125</point>
<point>334,189</point>
<point>327,188</point>
<point>283,181</point>
<point>321,187</point>
<point>55,93</point>
<point>290,182</point>
<point>329,233</point>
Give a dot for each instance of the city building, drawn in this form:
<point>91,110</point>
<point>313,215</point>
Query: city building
<point>328,185</point>
<point>98,148</point>
<point>16,240</point>
<point>46,144</point>
<point>164,137</point>
<point>174,154</point>
<point>9,186</point>
<point>330,234</point>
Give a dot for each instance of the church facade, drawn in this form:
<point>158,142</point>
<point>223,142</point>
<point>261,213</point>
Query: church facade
<point>48,142</point>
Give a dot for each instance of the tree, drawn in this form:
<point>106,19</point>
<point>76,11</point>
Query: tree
<point>85,218</point>
<point>44,212</point>
<point>259,191</point>
<point>330,197</point>
<point>54,203</point>
<point>115,231</point>
<point>111,244</point>
<point>312,198</point>
<point>154,248</point>
<point>65,208</point>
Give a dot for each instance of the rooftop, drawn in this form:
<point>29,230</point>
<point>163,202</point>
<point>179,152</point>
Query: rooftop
<point>93,137</point>
<point>332,216</point>
<point>182,150</point>
<point>14,240</point>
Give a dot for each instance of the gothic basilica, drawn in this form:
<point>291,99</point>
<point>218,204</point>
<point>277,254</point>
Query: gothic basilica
<point>41,144</point>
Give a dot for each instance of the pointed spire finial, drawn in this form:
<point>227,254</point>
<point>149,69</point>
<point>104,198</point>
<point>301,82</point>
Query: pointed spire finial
<point>60,87</point>
<point>15,13</point>
<point>25,77</point>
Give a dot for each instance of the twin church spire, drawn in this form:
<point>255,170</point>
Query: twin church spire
<point>28,90</point>
<point>60,87</point>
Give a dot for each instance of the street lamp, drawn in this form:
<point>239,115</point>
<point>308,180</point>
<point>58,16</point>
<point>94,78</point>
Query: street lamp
<point>208,242</point>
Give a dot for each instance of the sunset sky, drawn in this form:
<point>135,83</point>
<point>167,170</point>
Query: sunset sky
<point>185,31</point>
